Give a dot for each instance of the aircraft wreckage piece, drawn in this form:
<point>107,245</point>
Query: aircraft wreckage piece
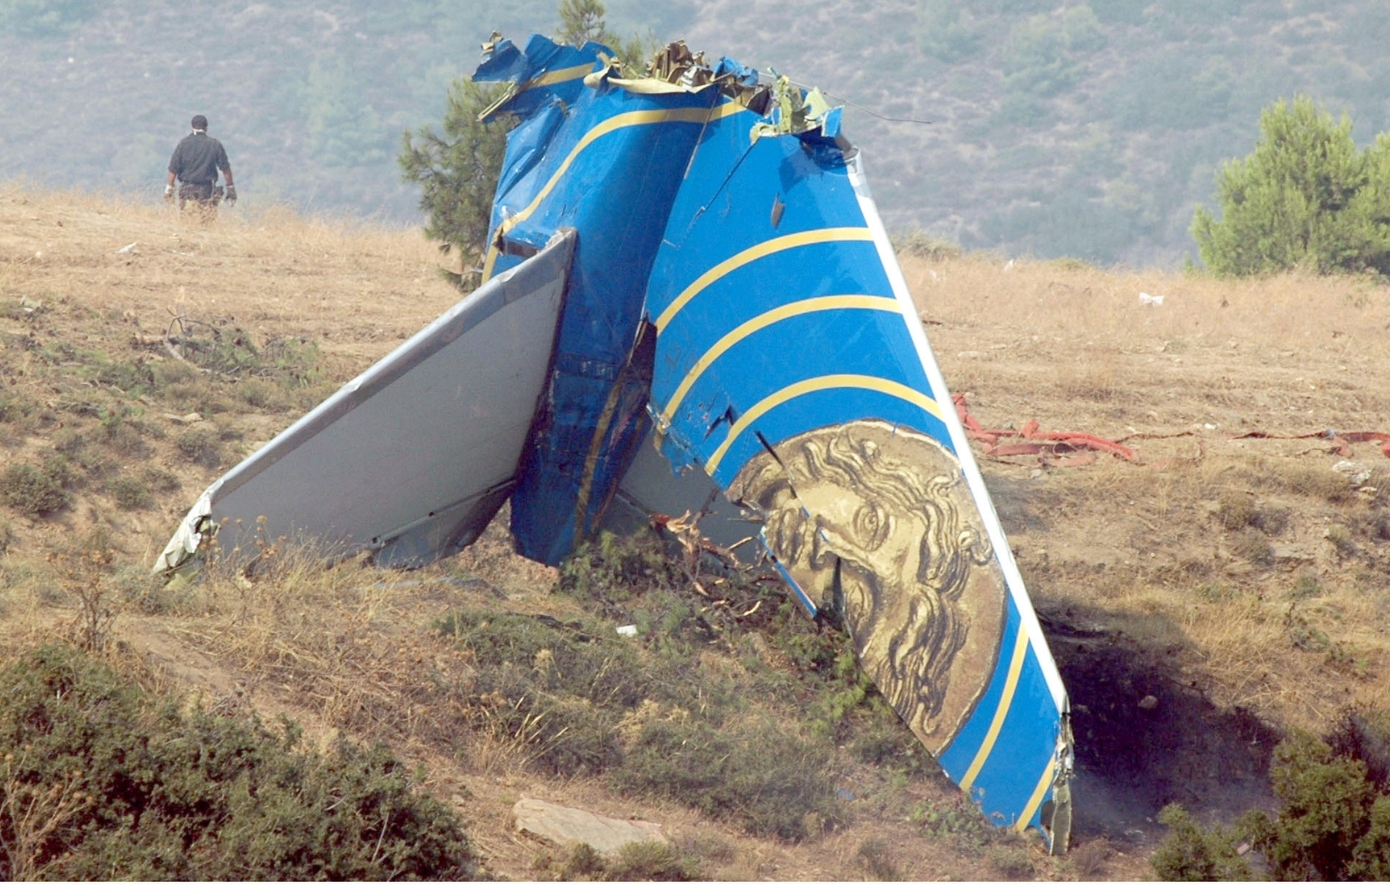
<point>789,365</point>
<point>412,458</point>
<point>733,297</point>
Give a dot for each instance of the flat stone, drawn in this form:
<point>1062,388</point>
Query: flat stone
<point>562,825</point>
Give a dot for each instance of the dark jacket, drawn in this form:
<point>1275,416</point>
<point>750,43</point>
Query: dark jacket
<point>197,158</point>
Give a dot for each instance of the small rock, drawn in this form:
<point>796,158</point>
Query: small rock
<point>562,825</point>
<point>1354,471</point>
<point>1148,703</point>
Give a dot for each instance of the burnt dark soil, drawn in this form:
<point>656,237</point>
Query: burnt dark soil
<point>1147,735</point>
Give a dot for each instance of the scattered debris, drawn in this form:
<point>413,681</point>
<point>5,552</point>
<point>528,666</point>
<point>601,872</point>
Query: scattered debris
<point>1341,440</point>
<point>1150,300</point>
<point>1053,448</point>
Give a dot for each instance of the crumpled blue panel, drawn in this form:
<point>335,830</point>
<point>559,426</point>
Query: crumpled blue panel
<point>608,163</point>
<point>741,73</point>
<point>543,72</point>
<point>789,355</point>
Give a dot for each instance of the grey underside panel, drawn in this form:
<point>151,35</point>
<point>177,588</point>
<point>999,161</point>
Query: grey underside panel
<point>650,486</point>
<point>413,458</point>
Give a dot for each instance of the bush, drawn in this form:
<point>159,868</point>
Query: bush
<point>1253,547</point>
<point>201,445</point>
<point>1364,733</point>
<point>99,779</point>
<point>1334,824</point>
<point>1305,197</point>
<point>1191,854</point>
<point>645,861</point>
<point>651,861</point>
<point>130,492</point>
<point>771,782</point>
<point>1324,829</point>
<point>558,689</point>
<point>35,492</point>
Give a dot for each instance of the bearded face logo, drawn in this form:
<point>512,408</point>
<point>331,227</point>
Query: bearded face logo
<point>880,517</point>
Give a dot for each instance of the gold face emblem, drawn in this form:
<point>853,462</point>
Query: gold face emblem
<point>885,512</point>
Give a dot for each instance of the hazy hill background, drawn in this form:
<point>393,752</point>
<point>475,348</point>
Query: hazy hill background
<point>1056,128</point>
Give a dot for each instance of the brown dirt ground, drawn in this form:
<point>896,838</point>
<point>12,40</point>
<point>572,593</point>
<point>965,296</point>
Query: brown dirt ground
<point>1239,582</point>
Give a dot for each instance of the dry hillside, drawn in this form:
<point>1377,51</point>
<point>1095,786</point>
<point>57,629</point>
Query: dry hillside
<point>1203,597</point>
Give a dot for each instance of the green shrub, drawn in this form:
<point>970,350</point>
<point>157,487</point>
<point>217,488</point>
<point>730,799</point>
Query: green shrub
<point>167,374</point>
<point>1318,482</point>
<point>1370,861</point>
<point>583,862</point>
<point>134,377</point>
<point>1190,853</point>
<point>558,689</point>
<point>569,658</point>
<point>34,492</point>
<point>1037,58</point>
<point>130,492</point>
<point>947,31</point>
<point>651,861</point>
<point>160,480</point>
<point>1364,733</point>
<point>1324,828</point>
<point>660,717</point>
<point>614,570</point>
<point>1304,635</point>
<point>955,820</point>
<point>770,782</point>
<point>1306,587</point>
<point>1342,540</point>
<point>201,445</point>
<point>100,780</point>
<point>1011,860</point>
<point>1306,196</point>
<point>877,859</point>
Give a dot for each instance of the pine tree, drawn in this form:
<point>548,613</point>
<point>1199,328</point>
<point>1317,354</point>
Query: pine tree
<point>1305,197</point>
<point>458,170</point>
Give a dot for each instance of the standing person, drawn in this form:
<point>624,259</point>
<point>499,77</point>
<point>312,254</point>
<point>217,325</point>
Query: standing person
<point>195,163</point>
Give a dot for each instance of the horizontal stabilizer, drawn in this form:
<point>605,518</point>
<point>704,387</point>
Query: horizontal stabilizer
<point>411,459</point>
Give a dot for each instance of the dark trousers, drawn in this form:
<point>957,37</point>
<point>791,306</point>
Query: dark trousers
<point>204,196</point>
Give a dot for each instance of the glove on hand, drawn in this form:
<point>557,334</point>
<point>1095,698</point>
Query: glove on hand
<point>168,193</point>
<point>231,194</point>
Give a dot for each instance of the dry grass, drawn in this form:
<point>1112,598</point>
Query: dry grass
<point>1162,552</point>
<point>1287,355</point>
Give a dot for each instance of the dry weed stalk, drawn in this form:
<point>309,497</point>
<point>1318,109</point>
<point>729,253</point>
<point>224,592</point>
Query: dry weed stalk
<point>30,813</point>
